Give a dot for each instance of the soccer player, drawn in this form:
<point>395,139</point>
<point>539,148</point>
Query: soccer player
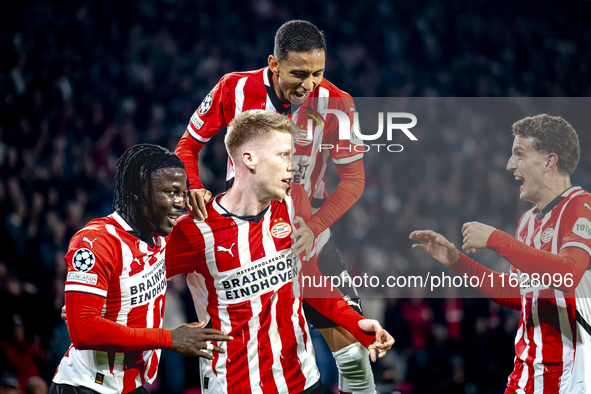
<point>243,274</point>
<point>550,280</point>
<point>295,74</point>
<point>116,283</point>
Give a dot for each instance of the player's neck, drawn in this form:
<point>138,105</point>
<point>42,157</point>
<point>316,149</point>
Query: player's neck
<point>554,189</point>
<point>243,201</point>
<point>139,225</point>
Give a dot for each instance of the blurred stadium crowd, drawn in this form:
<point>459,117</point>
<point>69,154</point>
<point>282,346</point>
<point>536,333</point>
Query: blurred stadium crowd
<point>81,82</point>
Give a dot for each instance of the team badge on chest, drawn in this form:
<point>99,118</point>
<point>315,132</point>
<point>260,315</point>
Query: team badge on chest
<point>281,229</point>
<point>547,234</point>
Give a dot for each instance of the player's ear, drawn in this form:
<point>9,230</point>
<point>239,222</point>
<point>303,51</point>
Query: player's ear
<point>249,160</point>
<point>551,161</point>
<point>273,64</point>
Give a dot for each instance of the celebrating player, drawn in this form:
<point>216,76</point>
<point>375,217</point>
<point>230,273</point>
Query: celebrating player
<point>243,274</point>
<point>550,280</point>
<point>116,283</point>
<point>294,75</point>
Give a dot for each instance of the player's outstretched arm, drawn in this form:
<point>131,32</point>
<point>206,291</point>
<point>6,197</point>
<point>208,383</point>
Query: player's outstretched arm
<point>436,245</point>
<point>191,340</point>
<point>195,203</point>
<point>383,341</point>
<point>90,331</point>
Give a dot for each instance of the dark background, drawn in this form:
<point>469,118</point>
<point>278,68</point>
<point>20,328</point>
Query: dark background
<point>81,82</point>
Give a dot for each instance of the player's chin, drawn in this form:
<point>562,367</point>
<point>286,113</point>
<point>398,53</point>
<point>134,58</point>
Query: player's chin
<point>165,229</point>
<point>281,194</point>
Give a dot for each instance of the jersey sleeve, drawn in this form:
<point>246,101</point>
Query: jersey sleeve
<point>568,263</point>
<point>185,250</point>
<point>348,150</point>
<point>493,287</point>
<point>91,260</point>
<point>347,156</point>
<point>575,227</point>
<point>348,191</point>
<point>89,331</point>
<point>216,111</point>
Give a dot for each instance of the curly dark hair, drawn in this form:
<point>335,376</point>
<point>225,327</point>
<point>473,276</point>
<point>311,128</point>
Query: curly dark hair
<point>552,134</point>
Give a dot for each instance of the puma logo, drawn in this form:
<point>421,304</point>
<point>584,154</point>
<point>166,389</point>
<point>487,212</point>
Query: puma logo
<point>587,205</point>
<point>352,303</point>
<point>222,249</point>
<point>85,239</point>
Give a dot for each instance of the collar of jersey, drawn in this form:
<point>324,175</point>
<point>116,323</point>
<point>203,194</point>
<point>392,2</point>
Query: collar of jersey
<point>556,201</point>
<point>249,218</point>
<point>130,229</point>
<point>279,106</point>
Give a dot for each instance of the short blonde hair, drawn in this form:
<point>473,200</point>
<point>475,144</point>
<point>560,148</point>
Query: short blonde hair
<point>255,124</point>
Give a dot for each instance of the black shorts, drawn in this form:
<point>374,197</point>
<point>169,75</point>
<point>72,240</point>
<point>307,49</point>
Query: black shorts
<point>331,264</point>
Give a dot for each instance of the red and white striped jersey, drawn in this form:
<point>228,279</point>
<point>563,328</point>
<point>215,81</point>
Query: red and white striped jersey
<point>552,345</point>
<point>106,258</point>
<point>242,91</point>
<point>243,279</point>
<point>240,277</point>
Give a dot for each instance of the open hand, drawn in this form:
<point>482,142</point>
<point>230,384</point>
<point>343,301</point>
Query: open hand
<point>190,340</point>
<point>436,245</point>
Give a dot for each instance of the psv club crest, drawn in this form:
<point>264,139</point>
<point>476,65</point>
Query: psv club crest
<point>547,234</point>
<point>281,229</point>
